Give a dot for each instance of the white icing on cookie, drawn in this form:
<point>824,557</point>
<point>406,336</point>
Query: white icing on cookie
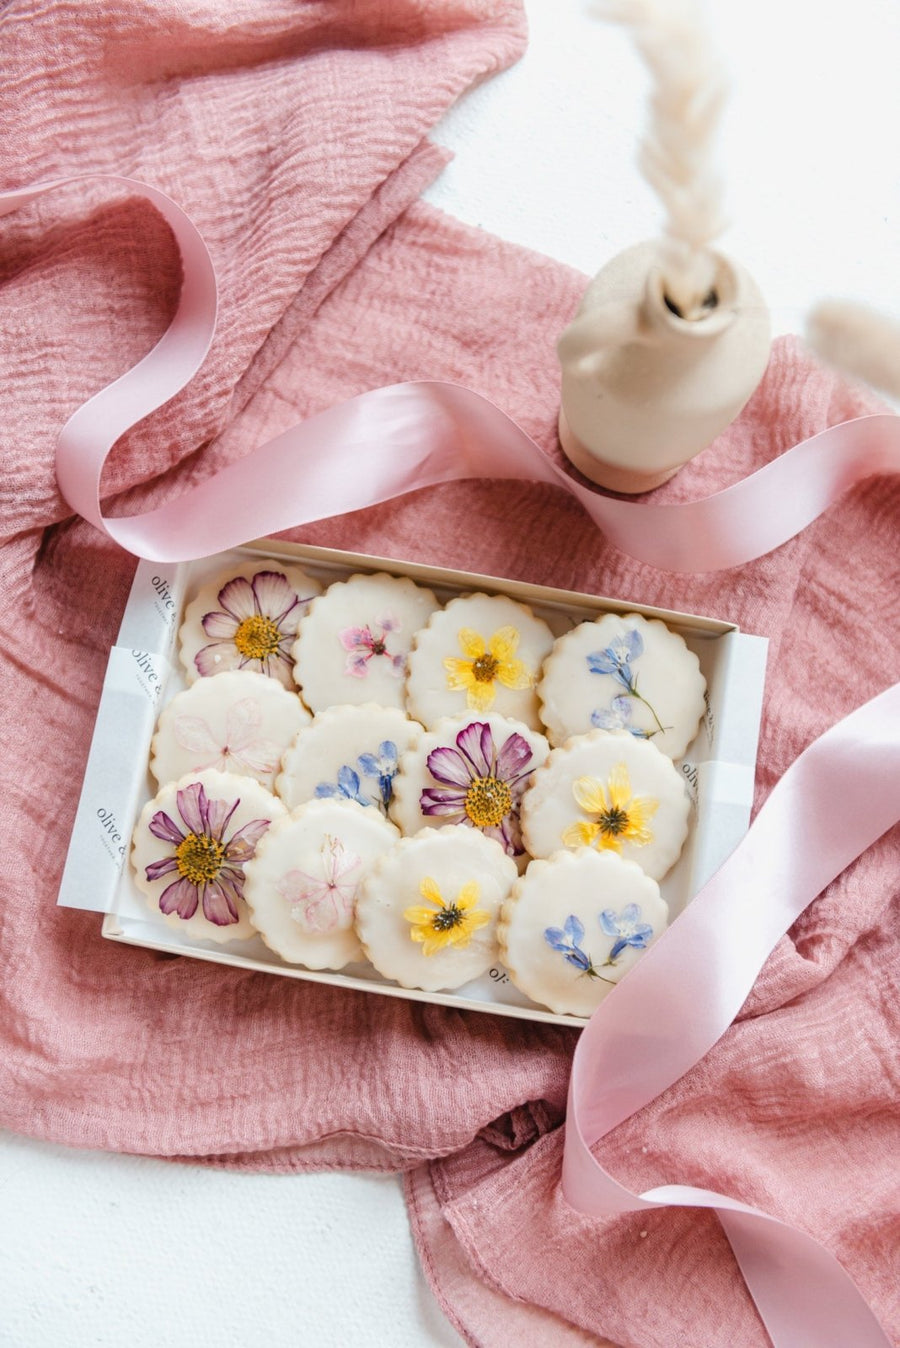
<point>426,913</point>
<point>301,886</point>
<point>347,753</point>
<point>575,924</point>
<point>623,673</point>
<point>481,653</point>
<point>471,770</point>
<point>191,845</point>
<point>238,722</point>
<point>354,642</point>
<point>247,619</point>
<point>612,792</point>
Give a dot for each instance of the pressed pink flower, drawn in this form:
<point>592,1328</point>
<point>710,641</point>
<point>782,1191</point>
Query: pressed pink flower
<point>242,749</point>
<point>209,866</point>
<point>254,628</point>
<point>369,642</point>
<point>324,902</point>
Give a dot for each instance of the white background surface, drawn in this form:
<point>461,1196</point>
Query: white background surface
<point>114,1251</point>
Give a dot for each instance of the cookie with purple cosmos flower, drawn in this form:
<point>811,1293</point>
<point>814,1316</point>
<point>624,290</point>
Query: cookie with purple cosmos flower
<point>574,924</point>
<point>247,619</point>
<point>301,885</point>
<point>354,643</point>
<point>481,653</point>
<point>239,722</point>
<point>470,770</point>
<point>191,845</point>
<point>348,753</point>
<point>623,673</point>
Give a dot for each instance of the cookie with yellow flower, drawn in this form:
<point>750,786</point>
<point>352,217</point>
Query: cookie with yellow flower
<point>610,792</point>
<point>481,653</point>
<point>426,913</point>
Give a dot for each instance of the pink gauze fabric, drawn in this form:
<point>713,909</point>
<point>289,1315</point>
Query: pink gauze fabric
<point>295,141</point>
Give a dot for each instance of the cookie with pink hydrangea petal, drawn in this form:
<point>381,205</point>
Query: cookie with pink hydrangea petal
<point>354,643</point>
<point>471,770</point>
<point>247,619</point>
<point>302,883</point>
<point>239,722</point>
<point>190,847</point>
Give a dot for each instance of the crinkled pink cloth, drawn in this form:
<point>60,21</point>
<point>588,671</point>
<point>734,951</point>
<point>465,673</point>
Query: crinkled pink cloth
<point>293,135</point>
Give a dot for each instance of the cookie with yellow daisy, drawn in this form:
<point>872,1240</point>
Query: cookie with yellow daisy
<point>426,913</point>
<point>481,653</point>
<point>609,792</point>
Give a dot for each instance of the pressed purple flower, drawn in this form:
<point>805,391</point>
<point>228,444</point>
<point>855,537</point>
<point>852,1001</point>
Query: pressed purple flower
<point>619,716</point>
<point>347,787</point>
<point>481,785</point>
<point>615,660</point>
<point>209,866</point>
<point>366,642</point>
<point>567,940</point>
<point>254,628</point>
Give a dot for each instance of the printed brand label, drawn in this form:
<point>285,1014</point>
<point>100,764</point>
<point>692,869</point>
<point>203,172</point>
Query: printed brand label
<point>691,777</point>
<point>111,836</point>
<point>149,676</point>
<point>709,719</point>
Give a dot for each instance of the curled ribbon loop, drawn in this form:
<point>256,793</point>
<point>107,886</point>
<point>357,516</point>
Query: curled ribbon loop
<point>684,994</point>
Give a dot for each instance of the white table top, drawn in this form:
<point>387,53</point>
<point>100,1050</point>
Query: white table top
<point>112,1250</point>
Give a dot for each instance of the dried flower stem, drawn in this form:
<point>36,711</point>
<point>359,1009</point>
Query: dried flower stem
<point>676,158</point>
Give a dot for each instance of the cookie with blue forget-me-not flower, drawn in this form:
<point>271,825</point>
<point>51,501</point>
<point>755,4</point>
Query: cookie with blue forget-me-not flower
<point>623,673</point>
<point>574,924</point>
<point>348,753</point>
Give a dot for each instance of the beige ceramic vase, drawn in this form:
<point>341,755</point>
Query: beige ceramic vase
<point>643,389</point>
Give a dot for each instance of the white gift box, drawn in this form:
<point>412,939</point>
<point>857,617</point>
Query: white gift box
<point>144,673</point>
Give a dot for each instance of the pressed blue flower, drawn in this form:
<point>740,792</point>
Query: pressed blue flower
<point>345,788</point>
<point>616,658</point>
<point>382,766</point>
<point>618,716</point>
<point>627,928</point>
<point>567,940</point>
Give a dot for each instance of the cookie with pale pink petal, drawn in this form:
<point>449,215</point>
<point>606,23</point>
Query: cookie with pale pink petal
<point>480,653</point>
<point>575,924</point>
<point>612,792</point>
<point>301,885</point>
<point>191,845</point>
<point>353,644</point>
<point>472,770</point>
<point>247,619</point>
<point>238,722</point>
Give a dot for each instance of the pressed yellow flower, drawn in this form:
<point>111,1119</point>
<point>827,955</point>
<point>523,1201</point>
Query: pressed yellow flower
<point>618,816</point>
<point>445,923</point>
<point>487,664</point>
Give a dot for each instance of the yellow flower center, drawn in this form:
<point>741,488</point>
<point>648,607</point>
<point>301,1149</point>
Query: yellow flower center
<point>447,918</point>
<point>257,637</point>
<point>484,669</point>
<point>488,801</point>
<point>613,820</point>
<point>199,858</point>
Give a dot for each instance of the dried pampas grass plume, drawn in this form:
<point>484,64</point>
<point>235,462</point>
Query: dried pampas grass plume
<point>858,340</point>
<point>676,155</point>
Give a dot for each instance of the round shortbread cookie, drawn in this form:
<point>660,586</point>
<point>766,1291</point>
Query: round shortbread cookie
<point>247,619</point>
<point>354,642</point>
<point>623,673</point>
<point>472,770</point>
<point>191,845</point>
<point>426,912</point>
<point>238,722</point>
<point>301,885</point>
<point>575,924</point>
<point>347,753</point>
<point>609,791</point>
<point>481,653</point>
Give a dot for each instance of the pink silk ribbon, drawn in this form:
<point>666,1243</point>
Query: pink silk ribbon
<point>841,794</point>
